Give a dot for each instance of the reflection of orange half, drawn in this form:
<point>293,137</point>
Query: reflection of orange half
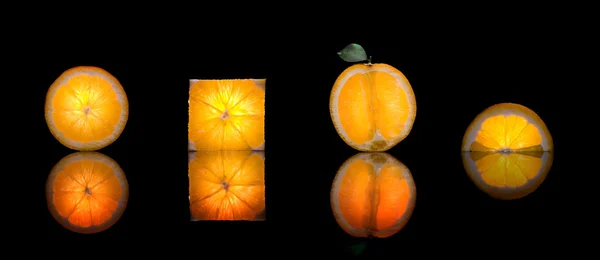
<point>373,195</point>
<point>227,185</point>
<point>507,176</point>
<point>87,192</point>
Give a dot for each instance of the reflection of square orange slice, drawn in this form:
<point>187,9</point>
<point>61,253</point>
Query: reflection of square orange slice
<point>227,185</point>
<point>226,115</point>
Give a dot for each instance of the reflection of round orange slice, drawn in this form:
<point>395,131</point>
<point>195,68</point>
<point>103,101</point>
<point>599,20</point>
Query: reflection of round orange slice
<point>373,195</point>
<point>226,185</point>
<point>227,115</point>
<point>373,107</point>
<point>86,108</point>
<point>87,192</point>
<point>507,127</point>
<point>507,176</point>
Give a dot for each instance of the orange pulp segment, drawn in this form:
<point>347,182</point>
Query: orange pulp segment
<point>507,127</point>
<point>373,195</point>
<point>87,192</point>
<point>86,108</point>
<point>373,107</point>
<point>227,114</point>
<point>227,185</point>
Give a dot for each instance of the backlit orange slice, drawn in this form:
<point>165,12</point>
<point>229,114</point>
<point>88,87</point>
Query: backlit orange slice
<point>86,108</point>
<point>510,175</point>
<point>507,127</point>
<point>227,185</point>
<point>373,107</point>
<point>373,195</point>
<point>227,114</point>
<point>87,192</point>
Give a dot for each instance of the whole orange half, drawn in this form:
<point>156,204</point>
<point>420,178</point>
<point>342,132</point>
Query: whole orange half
<point>373,195</point>
<point>507,127</point>
<point>86,108</point>
<point>87,192</point>
<point>227,185</point>
<point>507,176</point>
<point>373,107</point>
<point>227,115</point>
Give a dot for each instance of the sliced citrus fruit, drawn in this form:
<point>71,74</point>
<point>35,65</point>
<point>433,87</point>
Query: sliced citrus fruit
<point>373,195</point>
<point>507,127</point>
<point>227,185</point>
<point>372,107</point>
<point>227,114</point>
<point>507,175</point>
<point>86,108</point>
<point>87,192</point>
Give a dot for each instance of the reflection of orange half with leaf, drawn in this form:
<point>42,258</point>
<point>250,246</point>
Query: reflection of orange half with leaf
<point>507,127</point>
<point>373,107</point>
<point>227,185</point>
<point>227,115</point>
<point>86,108</point>
<point>373,195</point>
<point>87,192</point>
<point>507,175</point>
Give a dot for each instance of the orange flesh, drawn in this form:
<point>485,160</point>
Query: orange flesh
<point>86,108</point>
<point>226,115</point>
<point>371,200</point>
<point>508,170</point>
<point>372,101</point>
<point>226,185</point>
<point>507,133</point>
<point>86,192</point>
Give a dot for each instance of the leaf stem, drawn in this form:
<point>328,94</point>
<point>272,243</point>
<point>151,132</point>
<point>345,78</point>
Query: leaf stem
<point>369,61</point>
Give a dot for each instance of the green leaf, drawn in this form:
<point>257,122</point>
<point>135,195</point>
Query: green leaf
<point>358,248</point>
<point>353,53</point>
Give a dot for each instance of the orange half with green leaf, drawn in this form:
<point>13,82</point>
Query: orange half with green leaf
<point>86,108</point>
<point>507,127</point>
<point>507,175</point>
<point>227,185</point>
<point>87,192</point>
<point>373,195</point>
<point>226,115</point>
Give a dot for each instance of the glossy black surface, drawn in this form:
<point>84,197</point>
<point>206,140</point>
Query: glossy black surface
<point>453,81</point>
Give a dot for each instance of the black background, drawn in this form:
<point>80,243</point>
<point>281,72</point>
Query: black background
<point>456,71</point>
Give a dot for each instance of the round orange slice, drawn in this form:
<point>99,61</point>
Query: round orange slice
<point>226,115</point>
<point>86,108</point>
<point>507,176</point>
<point>227,185</point>
<point>373,195</point>
<point>507,127</point>
<point>87,192</point>
<point>372,107</point>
